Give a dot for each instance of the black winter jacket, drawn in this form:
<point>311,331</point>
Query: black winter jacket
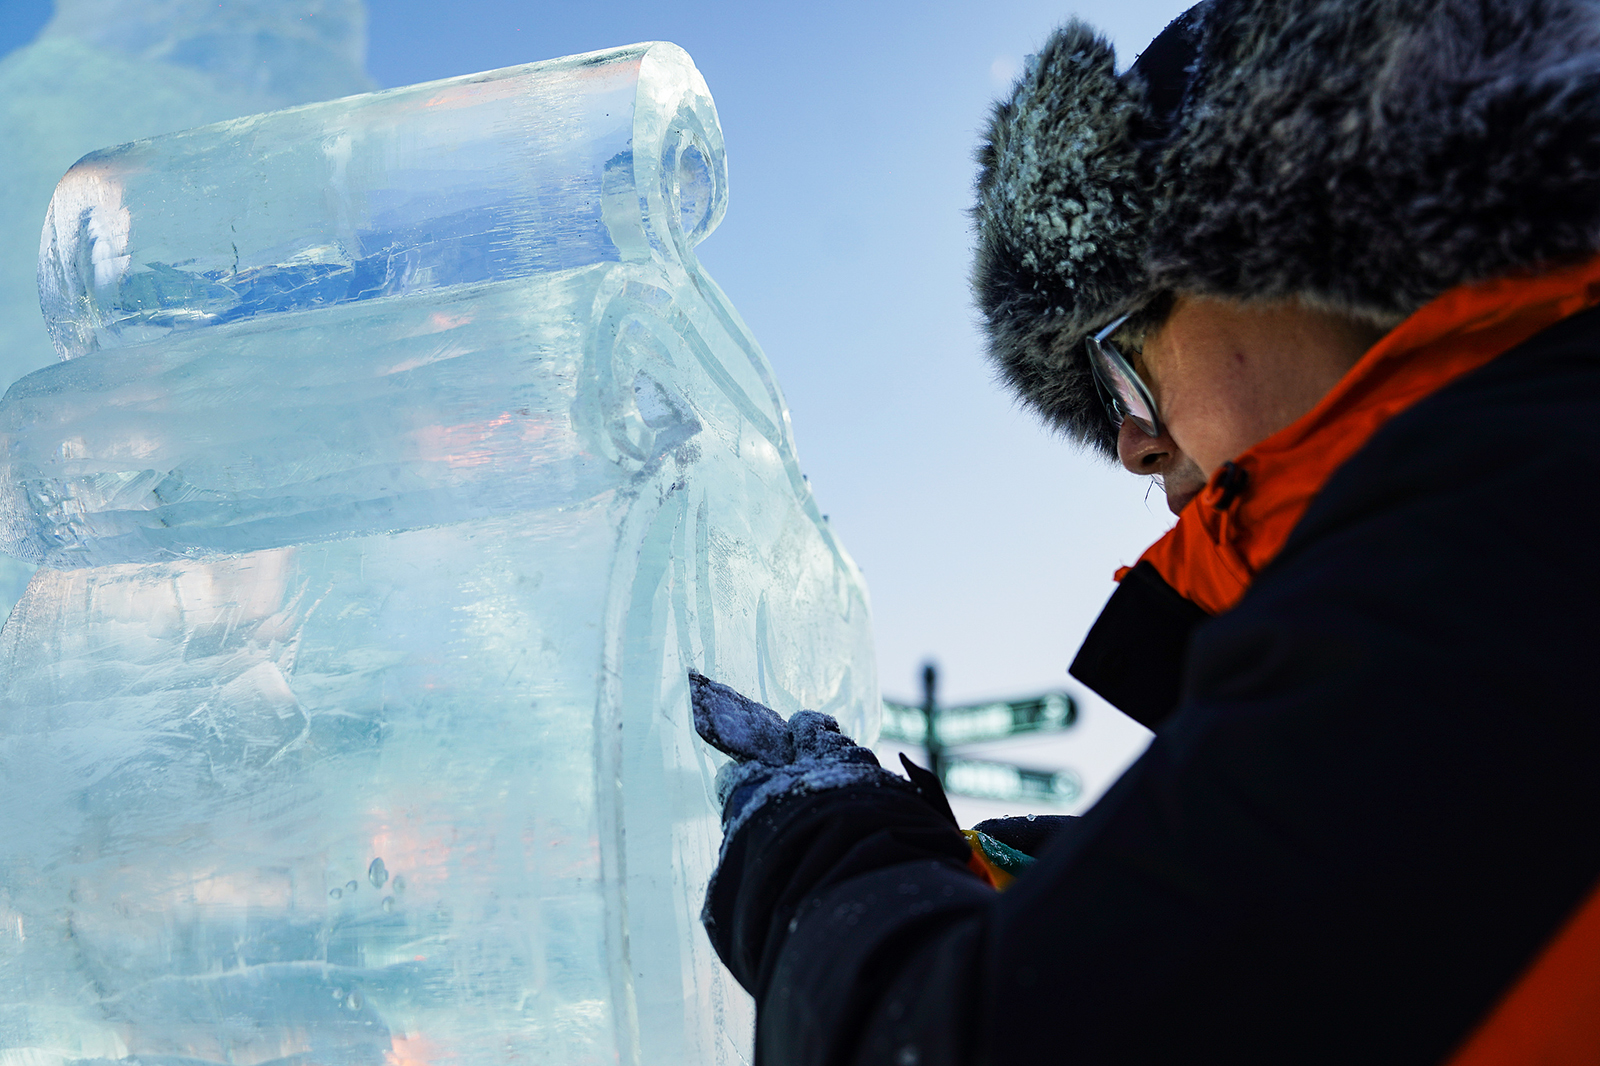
<point>1378,797</point>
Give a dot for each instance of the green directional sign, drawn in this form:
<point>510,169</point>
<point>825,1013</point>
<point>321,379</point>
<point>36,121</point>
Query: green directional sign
<point>1002,781</point>
<point>979,721</point>
<point>938,728</point>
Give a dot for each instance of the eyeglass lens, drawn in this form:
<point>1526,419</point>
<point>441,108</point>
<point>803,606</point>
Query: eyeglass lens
<point>1127,397</point>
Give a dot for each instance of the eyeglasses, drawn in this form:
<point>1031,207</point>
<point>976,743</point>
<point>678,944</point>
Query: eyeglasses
<point>1121,390</point>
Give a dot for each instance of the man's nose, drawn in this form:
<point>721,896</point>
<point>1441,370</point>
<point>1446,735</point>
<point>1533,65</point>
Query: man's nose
<point>1142,453</point>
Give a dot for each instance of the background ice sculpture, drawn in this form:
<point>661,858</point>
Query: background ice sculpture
<point>401,462</point>
<point>110,71</point>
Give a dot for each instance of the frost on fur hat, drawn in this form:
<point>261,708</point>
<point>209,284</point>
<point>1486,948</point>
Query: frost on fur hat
<point>1361,155</point>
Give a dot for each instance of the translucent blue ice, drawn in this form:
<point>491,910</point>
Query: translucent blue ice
<point>401,463</point>
<point>108,71</point>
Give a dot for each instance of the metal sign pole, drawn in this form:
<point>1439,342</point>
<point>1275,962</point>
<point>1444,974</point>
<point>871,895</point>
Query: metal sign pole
<point>930,712</point>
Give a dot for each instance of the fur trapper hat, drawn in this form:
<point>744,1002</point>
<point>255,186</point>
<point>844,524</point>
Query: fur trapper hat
<point>1362,156</point>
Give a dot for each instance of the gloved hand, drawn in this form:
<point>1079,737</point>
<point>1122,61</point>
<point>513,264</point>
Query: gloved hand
<point>773,757</point>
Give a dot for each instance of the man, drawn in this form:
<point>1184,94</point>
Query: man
<point>1326,268</point>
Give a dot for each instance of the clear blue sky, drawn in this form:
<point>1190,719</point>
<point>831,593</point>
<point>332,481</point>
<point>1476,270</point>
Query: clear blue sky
<point>850,128</point>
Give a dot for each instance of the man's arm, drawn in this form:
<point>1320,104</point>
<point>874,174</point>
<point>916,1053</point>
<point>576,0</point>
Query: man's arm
<point>818,906</point>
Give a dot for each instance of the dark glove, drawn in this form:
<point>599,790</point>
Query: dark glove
<point>773,758</point>
<point>806,812</point>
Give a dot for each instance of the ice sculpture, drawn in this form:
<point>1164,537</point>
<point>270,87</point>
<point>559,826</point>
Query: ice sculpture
<point>401,462</point>
<point>108,71</point>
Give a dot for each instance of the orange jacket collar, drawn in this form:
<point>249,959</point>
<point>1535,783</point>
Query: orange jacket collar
<point>1246,512</point>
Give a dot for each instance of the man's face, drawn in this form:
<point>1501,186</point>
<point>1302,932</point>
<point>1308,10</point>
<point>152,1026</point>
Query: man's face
<point>1226,375</point>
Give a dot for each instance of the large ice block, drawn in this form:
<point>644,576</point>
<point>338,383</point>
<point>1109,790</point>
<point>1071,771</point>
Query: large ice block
<point>401,462</point>
<point>108,71</point>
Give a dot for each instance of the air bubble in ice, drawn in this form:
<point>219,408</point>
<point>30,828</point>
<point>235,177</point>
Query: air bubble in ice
<point>377,873</point>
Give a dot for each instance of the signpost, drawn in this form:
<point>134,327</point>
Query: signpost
<point>939,728</point>
<point>975,722</point>
<point>1003,781</point>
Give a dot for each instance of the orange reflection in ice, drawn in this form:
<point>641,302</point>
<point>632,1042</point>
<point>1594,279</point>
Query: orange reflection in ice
<point>413,848</point>
<point>414,1050</point>
<point>479,443</point>
<point>441,321</point>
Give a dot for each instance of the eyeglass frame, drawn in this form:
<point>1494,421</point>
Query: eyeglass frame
<point>1111,357</point>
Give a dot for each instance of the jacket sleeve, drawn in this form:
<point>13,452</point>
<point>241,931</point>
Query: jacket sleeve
<point>818,907</point>
<point>1319,861</point>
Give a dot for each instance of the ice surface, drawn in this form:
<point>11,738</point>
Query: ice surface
<point>108,71</point>
<point>402,463</point>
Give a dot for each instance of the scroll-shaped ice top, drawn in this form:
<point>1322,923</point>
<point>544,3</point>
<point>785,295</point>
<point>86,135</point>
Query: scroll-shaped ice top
<point>486,177</point>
